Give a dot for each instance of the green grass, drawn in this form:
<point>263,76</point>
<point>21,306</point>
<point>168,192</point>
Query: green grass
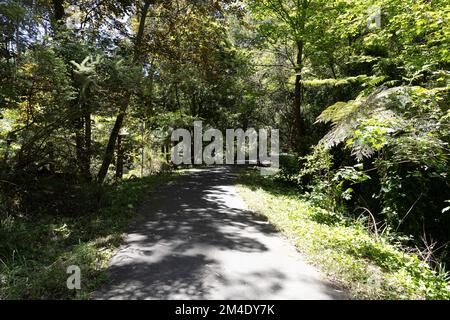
<point>35,252</point>
<point>367,267</point>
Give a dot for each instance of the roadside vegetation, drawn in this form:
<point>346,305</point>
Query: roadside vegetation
<point>35,251</point>
<point>367,265</point>
<point>90,92</point>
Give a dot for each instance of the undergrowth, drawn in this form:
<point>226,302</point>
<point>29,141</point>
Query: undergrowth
<point>36,250</point>
<point>368,266</point>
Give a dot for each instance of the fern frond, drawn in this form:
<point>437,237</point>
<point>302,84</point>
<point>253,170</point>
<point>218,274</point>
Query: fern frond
<point>368,122</point>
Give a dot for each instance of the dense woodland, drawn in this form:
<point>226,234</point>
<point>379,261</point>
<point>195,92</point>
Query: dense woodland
<point>360,91</point>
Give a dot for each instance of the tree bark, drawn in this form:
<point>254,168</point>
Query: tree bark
<point>109,152</point>
<point>298,97</point>
<point>82,125</point>
<point>83,134</point>
<point>86,165</point>
<point>79,143</point>
<point>119,164</point>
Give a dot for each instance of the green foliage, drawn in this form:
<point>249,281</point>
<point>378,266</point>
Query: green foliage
<point>325,186</point>
<point>371,100</point>
<point>340,82</point>
<point>62,91</point>
<point>406,128</point>
<point>289,165</point>
<point>397,126</point>
<point>86,72</point>
<point>36,251</point>
<point>348,175</point>
<point>369,124</point>
<point>369,267</point>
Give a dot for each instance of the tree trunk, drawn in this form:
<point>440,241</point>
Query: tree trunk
<point>193,105</point>
<point>109,152</point>
<point>82,124</point>
<point>119,164</point>
<point>79,143</point>
<point>177,97</point>
<point>86,164</point>
<point>298,97</point>
<point>83,133</point>
<point>143,149</point>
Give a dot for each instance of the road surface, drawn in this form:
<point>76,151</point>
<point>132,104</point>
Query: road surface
<point>195,239</point>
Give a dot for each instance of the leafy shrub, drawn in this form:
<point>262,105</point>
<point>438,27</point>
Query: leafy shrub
<point>289,168</point>
<point>35,250</point>
<point>369,266</point>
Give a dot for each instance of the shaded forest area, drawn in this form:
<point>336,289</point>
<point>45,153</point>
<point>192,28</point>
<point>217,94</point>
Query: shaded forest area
<point>89,92</point>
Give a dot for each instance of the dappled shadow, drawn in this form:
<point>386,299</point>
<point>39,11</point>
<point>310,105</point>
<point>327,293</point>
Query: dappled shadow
<point>192,215</point>
<point>194,239</point>
<point>185,277</point>
<point>171,276</point>
<point>377,254</point>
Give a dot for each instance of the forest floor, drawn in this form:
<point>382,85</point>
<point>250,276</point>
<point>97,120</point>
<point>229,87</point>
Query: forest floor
<point>36,250</point>
<point>195,239</point>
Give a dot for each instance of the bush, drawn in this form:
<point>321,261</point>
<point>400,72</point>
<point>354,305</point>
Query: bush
<point>36,249</point>
<point>289,168</point>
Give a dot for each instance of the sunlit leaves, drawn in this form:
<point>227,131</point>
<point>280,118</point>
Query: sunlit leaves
<point>404,118</point>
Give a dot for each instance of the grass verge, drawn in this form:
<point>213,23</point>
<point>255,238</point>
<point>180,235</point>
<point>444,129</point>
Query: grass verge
<point>35,252</point>
<point>366,266</point>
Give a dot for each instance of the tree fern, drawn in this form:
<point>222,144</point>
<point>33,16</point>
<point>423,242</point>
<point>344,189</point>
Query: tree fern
<point>369,123</point>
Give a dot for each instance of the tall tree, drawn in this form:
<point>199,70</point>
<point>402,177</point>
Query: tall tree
<point>137,60</point>
<point>301,23</point>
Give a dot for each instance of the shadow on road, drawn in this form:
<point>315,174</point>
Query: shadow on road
<point>194,239</point>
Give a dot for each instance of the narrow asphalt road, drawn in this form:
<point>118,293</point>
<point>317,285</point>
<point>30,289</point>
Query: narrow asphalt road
<point>194,239</point>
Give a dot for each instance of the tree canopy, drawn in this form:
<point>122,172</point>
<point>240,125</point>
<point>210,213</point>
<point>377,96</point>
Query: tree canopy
<point>360,90</point>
